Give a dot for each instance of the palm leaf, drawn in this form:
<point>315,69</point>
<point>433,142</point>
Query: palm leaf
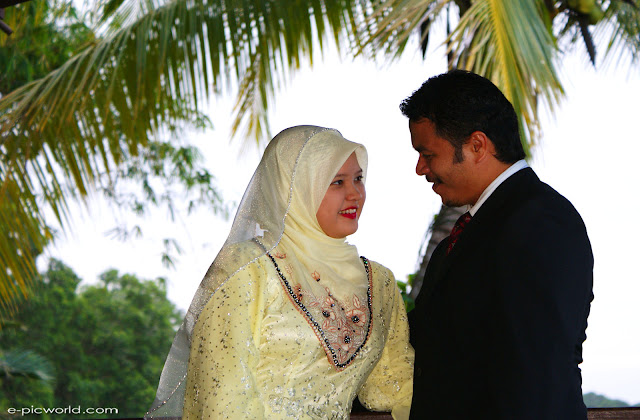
<point>510,43</point>
<point>391,24</point>
<point>25,363</point>
<point>145,72</point>
<point>620,30</point>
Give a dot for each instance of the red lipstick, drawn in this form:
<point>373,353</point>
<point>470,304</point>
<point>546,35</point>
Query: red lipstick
<point>349,212</point>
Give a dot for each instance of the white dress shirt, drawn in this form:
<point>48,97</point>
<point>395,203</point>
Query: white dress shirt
<point>521,164</point>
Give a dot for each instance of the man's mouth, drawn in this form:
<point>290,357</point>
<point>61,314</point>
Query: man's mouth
<point>434,180</point>
<point>350,212</point>
<point>436,184</point>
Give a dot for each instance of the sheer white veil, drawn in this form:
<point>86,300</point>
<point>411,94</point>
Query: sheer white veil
<point>261,214</point>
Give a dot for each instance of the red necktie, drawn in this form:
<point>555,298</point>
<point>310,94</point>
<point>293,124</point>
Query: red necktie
<point>457,230</point>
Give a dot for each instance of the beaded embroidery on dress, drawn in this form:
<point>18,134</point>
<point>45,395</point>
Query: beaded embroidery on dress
<point>342,327</point>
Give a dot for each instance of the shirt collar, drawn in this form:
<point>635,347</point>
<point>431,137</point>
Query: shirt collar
<point>521,164</point>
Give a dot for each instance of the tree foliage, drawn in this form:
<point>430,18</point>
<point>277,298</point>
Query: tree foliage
<point>47,35</point>
<point>39,179</point>
<point>593,400</point>
<point>518,44</point>
<point>107,342</point>
<point>151,64</point>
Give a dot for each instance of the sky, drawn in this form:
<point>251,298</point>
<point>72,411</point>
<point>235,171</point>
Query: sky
<point>588,153</point>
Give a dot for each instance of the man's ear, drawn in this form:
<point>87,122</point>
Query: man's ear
<point>480,146</point>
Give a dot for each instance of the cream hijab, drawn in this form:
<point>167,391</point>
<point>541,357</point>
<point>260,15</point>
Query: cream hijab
<point>278,211</point>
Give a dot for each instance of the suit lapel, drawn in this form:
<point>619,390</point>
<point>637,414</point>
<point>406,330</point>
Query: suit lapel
<point>490,214</point>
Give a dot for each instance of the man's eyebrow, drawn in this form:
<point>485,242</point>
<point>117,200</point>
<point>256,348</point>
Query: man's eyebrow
<point>357,172</point>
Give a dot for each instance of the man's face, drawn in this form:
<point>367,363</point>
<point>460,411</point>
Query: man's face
<point>452,178</point>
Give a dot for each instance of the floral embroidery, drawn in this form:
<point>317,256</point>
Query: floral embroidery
<point>343,327</point>
<point>280,255</point>
<point>297,290</point>
<point>357,315</point>
<point>289,269</point>
<point>315,276</point>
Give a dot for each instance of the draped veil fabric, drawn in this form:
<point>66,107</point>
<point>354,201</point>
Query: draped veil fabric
<point>278,211</point>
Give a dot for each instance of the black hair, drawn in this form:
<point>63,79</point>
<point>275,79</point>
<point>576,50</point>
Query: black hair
<point>460,102</point>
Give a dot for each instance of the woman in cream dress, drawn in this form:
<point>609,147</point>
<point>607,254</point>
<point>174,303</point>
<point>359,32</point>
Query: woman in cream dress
<point>289,321</point>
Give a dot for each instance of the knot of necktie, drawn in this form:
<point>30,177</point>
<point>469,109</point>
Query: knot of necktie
<point>457,230</point>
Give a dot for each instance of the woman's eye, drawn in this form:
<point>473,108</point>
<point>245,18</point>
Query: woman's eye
<point>337,182</point>
<point>360,178</point>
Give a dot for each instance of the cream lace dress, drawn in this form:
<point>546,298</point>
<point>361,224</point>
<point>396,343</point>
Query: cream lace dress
<point>256,355</point>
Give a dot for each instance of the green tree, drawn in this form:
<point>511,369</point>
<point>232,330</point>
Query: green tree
<point>24,376</point>
<point>156,62</point>
<point>593,400</point>
<point>48,35</point>
<point>107,342</point>
<point>39,47</point>
<point>142,175</point>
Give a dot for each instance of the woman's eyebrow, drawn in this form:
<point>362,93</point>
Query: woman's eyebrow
<point>357,172</point>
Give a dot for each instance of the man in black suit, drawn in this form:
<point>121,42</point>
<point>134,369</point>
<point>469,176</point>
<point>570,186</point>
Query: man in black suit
<point>500,320</point>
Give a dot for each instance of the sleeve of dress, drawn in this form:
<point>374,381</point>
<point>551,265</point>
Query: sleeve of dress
<point>390,384</point>
<point>222,364</point>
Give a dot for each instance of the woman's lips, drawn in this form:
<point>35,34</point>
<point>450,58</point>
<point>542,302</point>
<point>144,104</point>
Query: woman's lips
<point>349,213</point>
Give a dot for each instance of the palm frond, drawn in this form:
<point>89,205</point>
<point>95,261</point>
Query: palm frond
<point>510,42</point>
<point>588,39</point>
<point>392,22</point>
<point>145,72</point>
<point>25,363</point>
<point>620,29</point>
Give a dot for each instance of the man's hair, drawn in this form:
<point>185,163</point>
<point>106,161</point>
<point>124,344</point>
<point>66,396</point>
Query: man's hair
<point>460,102</point>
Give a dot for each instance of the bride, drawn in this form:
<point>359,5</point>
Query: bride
<point>289,320</point>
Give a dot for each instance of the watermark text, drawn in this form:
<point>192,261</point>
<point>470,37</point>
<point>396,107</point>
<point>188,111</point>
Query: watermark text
<point>26,411</point>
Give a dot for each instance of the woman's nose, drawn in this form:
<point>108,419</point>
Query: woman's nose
<point>354,192</point>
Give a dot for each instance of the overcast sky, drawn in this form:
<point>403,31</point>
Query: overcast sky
<point>588,153</point>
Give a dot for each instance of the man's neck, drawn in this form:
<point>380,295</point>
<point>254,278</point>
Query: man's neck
<point>509,169</point>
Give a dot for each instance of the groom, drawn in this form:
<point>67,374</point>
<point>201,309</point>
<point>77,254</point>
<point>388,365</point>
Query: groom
<point>500,320</point>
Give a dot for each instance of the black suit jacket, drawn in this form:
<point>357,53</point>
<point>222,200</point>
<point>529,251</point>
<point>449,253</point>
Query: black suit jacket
<point>499,323</point>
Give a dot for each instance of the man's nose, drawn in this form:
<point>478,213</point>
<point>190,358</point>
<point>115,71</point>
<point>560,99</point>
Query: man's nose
<point>421,167</point>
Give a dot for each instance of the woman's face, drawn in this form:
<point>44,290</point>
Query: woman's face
<point>342,204</point>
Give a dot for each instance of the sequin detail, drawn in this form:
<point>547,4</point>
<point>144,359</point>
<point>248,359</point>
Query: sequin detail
<point>344,329</point>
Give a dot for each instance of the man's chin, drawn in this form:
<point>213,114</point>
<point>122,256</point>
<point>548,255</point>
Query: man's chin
<point>451,202</point>
<point>447,201</point>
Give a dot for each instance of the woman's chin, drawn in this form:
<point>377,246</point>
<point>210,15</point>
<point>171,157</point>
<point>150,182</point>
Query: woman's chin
<point>342,232</point>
